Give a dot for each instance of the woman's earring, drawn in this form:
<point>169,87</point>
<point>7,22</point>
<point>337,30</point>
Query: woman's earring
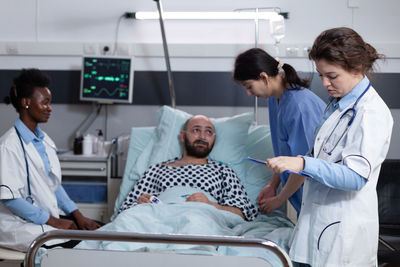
<point>26,106</point>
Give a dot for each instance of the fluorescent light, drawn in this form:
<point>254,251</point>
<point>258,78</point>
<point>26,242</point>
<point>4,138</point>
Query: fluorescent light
<point>270,15</point>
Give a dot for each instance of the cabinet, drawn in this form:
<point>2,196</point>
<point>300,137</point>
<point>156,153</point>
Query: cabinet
<point>87,180</point>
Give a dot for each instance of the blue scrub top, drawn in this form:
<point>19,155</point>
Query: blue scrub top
<point>293,121</point>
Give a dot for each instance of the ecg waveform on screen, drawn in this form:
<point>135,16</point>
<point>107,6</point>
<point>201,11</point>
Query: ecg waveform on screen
<point>106,78</point>
<point>113,93</point>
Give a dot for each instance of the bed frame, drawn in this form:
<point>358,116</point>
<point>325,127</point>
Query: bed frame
<point>81,257</point>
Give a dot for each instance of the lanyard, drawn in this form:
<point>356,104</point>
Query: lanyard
<point>29,197</point>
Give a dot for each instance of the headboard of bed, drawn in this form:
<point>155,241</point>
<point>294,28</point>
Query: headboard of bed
<point>236,140</point>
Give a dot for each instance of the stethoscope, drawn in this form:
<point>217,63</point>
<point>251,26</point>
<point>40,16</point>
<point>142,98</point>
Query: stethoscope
<point>349,111</point>
<point>29,197</point>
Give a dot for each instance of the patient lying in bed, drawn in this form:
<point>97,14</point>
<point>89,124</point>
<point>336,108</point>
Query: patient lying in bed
<point>199,196</point>
<point>217,184</point>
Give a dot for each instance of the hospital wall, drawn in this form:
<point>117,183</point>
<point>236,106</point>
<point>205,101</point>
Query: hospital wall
<point>53,35</point>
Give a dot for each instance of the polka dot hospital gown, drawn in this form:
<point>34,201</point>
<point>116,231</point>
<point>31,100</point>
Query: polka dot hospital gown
<point>215,178</point>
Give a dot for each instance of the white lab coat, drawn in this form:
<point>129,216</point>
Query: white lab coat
<point>337,227</point>
<point>16,232</point>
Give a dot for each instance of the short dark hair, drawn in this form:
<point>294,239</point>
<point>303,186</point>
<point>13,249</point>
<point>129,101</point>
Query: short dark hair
<point>24,85</point>
<point>346,48</point>
<point>249,65</point>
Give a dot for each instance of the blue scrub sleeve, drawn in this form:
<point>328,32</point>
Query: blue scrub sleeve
<point>333,175</point>
<point>64,202</point>
<point>26,210</point>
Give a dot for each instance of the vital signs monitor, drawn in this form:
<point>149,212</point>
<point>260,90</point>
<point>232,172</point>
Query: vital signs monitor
<point>107,80</point>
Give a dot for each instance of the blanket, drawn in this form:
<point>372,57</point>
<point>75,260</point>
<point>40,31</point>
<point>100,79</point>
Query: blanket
<point>175,216</point>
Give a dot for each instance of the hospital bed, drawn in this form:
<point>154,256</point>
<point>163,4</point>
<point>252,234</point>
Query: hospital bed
<point>58,256</point>
<point>237,139</point>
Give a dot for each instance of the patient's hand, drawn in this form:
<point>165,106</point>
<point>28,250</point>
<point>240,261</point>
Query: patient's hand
<point>267,192</point>
<point>199,197</point>
<point>270,204</point>
<point>144,198</point>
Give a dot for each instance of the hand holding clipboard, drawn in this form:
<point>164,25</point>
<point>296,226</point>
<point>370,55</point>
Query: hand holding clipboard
<point>266,163</point>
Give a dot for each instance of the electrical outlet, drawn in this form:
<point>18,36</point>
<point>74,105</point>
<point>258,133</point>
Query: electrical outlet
<point>12,48</point>
<point>306,50</point>
<point>89,49</point>
<point>292,51</point>
<point>353,3</point>
<point>123,50</point>
<point>106,49</point>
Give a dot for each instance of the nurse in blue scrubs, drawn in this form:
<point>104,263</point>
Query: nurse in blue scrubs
<point>294,113</point>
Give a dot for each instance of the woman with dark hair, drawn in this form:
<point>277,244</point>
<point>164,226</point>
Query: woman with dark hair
<point>338,224</point>
<point>294,113</point>
<point>30,174</point>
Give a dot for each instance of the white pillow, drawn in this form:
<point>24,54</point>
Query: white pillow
<point>140,139</point>
<point>149,146</point>
<point>229,146</point>
<point>258,146</point>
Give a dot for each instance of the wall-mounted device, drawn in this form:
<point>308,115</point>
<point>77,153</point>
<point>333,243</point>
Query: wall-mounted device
<point>107,80</point>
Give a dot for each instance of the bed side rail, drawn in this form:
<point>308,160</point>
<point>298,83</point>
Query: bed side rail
<point>154,238</point>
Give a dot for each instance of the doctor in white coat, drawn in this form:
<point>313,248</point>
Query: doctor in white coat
<point>30,174</point>
<point>338,223</point>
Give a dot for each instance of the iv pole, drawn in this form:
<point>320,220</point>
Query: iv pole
<point>256,36</point>
<point>166,55</point>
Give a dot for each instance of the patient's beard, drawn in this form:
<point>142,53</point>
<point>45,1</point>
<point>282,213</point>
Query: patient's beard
<point>195,151</point>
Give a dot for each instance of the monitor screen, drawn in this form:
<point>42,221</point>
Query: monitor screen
<point>107,80</point>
